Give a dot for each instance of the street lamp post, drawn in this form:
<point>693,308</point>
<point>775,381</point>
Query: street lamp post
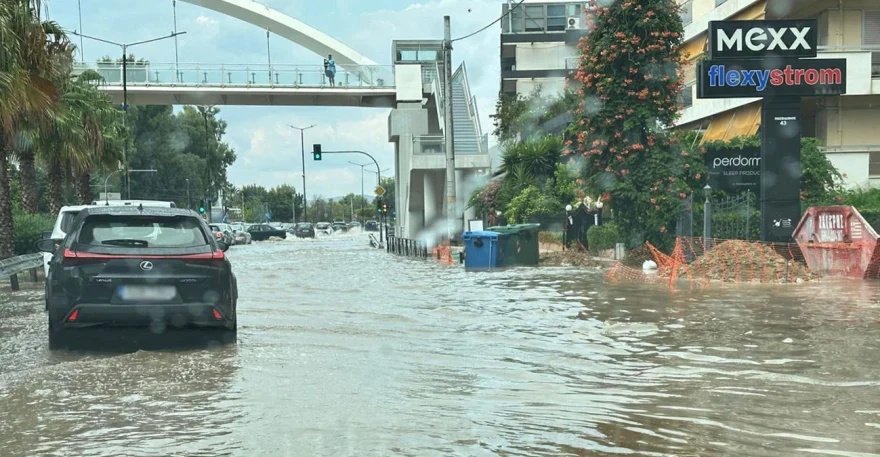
<point>302,145</point>
<point>125,47</point>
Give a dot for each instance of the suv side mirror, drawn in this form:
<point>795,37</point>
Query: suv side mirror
<point>223,246</point>
<point>46,245</point>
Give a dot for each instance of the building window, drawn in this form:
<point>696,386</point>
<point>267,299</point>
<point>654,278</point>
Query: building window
<point>874,163</point>
<point>720,2</point>
<point>575,9</point>
<point>516,20</point>
<point>686,99</point>
<point>871,37</point>
<point>534,18</point>
<point>556,18</point>
<point>687,15</point>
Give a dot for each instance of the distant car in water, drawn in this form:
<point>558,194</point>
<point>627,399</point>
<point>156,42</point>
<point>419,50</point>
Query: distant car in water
<point>339,226</point>
<point>240,233</point>
<point>372,226</point>
<point>228,237</point>
<point>138,267</point>
<point>304,230</point>
<point>324,228</point>
<point>262,232</point>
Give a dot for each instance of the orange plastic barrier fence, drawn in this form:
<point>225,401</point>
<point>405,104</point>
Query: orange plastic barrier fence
<point>443,253</point>
<point>701,262</point>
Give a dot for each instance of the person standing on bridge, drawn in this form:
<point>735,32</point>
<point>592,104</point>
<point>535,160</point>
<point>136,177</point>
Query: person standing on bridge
<point>330,66</point>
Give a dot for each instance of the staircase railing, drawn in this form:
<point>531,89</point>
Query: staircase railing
<point>471,103</point>
<point>437,89</point>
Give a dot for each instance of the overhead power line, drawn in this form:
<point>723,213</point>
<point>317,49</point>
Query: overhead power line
<point>491,23</point>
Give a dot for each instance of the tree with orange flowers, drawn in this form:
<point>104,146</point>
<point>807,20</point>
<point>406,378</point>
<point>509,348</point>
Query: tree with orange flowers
<point>630,77</point>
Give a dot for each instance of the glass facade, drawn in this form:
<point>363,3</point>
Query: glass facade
<point>544,17</point>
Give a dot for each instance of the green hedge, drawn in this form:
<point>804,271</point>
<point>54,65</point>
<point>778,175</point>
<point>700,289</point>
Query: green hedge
<point>602,237</point>
<point>29,229</point>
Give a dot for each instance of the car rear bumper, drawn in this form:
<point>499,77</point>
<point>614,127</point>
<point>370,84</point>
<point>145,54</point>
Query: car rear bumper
<point>143,315</point>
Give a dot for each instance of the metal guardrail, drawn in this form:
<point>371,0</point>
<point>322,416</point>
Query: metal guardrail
<point>407,247</point>
<point>11,267</point>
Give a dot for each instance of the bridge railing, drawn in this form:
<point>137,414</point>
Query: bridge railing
<point>240,75</point>
<point>407,247</point>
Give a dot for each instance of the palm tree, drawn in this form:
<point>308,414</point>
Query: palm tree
<point>60,52</point>
<point>102,125</point>
<point>26,94</point>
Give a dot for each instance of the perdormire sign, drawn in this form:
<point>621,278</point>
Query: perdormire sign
<point>734,169</point>
<point>759,39</point>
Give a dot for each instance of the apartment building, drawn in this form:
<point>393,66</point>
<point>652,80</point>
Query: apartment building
<point>848,125</point>
<point>539,44</point>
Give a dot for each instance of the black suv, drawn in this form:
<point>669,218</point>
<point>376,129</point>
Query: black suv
<point>139,267</point>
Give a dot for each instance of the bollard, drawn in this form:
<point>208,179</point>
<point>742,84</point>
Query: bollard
<point>619,251</point>
<point>33,272</point>
<point>707,220</point>
<point>13,283</point>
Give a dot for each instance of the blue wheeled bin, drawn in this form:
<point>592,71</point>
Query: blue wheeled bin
<point>483,250</point>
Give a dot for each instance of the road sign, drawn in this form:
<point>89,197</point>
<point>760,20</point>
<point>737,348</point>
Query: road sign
<point>380,191</point>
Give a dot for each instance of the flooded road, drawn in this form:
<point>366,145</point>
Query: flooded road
<point>348,351</point>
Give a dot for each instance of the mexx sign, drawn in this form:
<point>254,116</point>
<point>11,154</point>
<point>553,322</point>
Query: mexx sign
<point>758,39</point>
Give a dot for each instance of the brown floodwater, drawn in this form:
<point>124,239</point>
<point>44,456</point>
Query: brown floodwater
<point>348,351</point>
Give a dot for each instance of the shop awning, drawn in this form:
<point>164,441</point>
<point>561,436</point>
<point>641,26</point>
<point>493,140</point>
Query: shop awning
<point>743,121</point>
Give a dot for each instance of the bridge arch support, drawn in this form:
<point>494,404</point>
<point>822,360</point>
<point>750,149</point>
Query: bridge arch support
<point>287,27</point>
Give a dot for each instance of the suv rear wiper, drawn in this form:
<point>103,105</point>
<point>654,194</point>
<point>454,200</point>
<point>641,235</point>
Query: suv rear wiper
<point>127,242</point>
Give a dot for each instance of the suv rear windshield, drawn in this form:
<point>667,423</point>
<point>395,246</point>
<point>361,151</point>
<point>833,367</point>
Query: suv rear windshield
<point>142,231</point>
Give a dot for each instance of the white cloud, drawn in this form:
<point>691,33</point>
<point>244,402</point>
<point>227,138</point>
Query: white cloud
<point>205,20</point>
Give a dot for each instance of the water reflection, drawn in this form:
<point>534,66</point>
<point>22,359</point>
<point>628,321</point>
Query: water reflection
<point>344,350</point>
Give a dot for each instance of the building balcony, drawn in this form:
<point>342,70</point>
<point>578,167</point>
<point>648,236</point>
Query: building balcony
<point>429,153</point>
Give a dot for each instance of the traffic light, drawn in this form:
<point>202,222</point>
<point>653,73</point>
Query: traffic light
<point>384,208</point>
<point>201,206</point>
<point>316,151</point>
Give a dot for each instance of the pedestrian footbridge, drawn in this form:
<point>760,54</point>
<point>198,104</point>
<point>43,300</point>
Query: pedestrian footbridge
<point>148,83</point>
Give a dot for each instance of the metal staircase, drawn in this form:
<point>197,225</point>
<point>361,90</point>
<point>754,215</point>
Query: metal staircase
<point>468,135</point>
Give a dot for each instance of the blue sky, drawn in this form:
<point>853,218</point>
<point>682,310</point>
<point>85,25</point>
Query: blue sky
<point>268,151</point>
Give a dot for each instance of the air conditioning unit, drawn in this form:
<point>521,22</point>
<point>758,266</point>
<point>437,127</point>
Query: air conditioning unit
<point>574,23</point>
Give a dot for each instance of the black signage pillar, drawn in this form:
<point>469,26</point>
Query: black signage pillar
<point>780,168</point>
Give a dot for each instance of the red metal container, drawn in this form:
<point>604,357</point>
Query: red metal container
<point>837,241</point>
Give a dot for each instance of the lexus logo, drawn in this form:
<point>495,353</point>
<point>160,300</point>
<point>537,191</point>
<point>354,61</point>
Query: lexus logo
<point>146,265</point>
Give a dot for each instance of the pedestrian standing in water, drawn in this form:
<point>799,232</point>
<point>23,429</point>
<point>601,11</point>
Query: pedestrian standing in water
<point>331,70</point>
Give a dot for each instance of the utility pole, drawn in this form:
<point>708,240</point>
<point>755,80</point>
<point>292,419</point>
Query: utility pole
<point>188,201</point>
<point>447,130</point>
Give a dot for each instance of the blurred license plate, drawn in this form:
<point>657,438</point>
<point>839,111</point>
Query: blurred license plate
<point>152,293</point>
